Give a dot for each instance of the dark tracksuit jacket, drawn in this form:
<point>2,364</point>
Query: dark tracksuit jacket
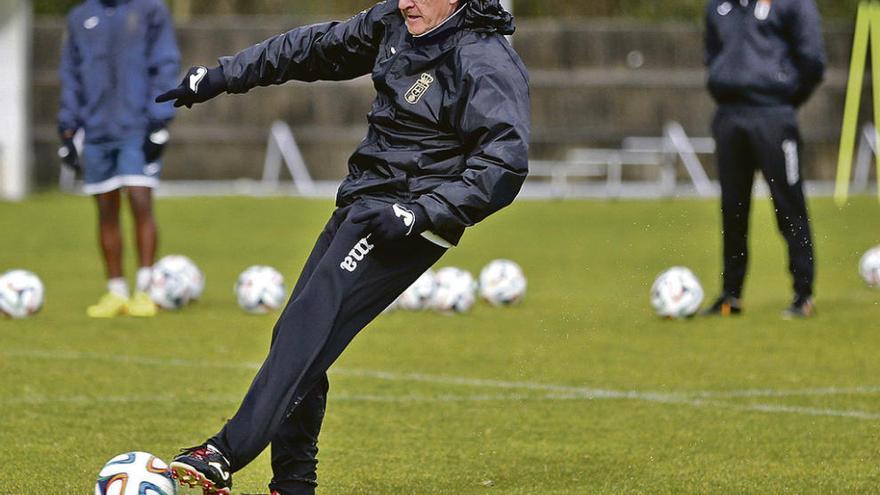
<point>449,129</point>
<point>450,122</point>
<point>765,58</point>
<point>114,62</point>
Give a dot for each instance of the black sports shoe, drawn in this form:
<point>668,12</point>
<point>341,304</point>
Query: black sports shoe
<point>725,305</point>
<point>203,466</point>
<point>801,307</point>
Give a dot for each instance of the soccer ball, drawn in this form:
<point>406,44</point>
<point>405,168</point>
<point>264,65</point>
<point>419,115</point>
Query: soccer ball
<point>454,292</point>
<point>869,267</point>
<point>418,295</point>
<point>195,279</point>
<point>135,473</point>
<point>502,283</point>
<point>172,282</point>
<point>676,293</point>
<point>21,293</point>
<point>260,289</point>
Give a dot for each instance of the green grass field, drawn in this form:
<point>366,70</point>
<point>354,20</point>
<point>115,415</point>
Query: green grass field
<point>578,390</point>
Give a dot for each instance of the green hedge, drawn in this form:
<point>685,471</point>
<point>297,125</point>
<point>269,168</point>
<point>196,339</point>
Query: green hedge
<point>645,9</point>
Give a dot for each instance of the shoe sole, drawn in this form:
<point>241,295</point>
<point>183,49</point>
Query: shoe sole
<point>187,476</point>
<point>139,314</point>
<point>809,311</point>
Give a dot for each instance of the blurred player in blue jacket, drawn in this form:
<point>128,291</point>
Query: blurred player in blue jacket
<point>118,55</point>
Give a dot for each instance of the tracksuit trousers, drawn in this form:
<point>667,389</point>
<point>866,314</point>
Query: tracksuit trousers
<point>345,284</point>
<point>766,139</point>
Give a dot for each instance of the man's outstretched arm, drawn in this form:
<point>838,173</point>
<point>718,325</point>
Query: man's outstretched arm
<point>327,51</point>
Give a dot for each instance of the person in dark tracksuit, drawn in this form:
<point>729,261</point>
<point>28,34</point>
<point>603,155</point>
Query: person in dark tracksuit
<point>765,59</point>
<point>447,145</point>
<point>118,55</point>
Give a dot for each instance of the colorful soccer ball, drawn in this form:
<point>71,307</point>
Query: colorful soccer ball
<point>135,473</point>
<point>502,283</point>
<point>418,295</point>
<point>869,267</point>
<point>21,293</point>
<point>454,292</point>
<point>260,289</point>
<point>676,293</point>
<point>171,283</point>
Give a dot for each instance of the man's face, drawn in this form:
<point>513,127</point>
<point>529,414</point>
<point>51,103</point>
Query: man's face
<point>423,15</point>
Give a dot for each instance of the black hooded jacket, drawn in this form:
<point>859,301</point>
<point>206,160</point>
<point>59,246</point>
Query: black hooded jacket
<point>449,128</point>
<point>764,52</point>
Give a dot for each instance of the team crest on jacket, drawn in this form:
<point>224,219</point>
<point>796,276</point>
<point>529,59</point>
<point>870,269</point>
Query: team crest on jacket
<point>418,89</point>
<point>762,10</point>
<point>92,22</point>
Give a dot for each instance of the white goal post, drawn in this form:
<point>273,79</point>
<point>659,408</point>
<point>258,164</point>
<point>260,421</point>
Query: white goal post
<point>15,149</point>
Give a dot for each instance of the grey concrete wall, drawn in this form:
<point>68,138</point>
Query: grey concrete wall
<point>593,83</point>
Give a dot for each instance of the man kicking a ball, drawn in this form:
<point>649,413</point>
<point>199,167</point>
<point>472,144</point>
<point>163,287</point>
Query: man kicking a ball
<point>447,146</point>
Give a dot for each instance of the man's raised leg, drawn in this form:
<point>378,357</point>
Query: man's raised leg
<point>351,284</point>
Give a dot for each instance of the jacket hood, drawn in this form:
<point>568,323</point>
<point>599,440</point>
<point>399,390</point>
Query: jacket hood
<point>488,16</point>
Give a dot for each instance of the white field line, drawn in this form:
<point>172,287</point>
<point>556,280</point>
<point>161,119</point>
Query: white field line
<point>82,400</point>
<point>85,400</point>
<point>755,407</point>
<point>596,393</point>
<point>804,392</point>
<point>553,392</point>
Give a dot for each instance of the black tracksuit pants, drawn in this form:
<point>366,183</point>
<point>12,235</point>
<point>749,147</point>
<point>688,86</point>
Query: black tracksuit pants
<point>767,140</point>
<point>345,284</point>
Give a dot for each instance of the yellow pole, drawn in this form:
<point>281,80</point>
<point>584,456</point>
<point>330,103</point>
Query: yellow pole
<point>853,100</point>
<point>875,82</point>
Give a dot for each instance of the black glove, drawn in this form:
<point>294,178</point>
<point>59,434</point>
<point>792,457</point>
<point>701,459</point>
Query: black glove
<point>393,222</point>
<point>155,141</point>
<point>199,84</point>
<point>67,151</point>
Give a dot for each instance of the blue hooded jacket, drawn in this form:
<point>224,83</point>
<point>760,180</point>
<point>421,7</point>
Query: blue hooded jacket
<point>117,57</point>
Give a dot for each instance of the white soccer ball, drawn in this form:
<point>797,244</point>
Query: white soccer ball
<point>21,293</point>
<point>135,473</point>
<point>676,293</point>
<point>454,292</point>
<point>502,283</point>
<point>195,279</point>
<point>418,296</point>
<point>260,289</point>
<point>171,282</point>
<point>869,267</point>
